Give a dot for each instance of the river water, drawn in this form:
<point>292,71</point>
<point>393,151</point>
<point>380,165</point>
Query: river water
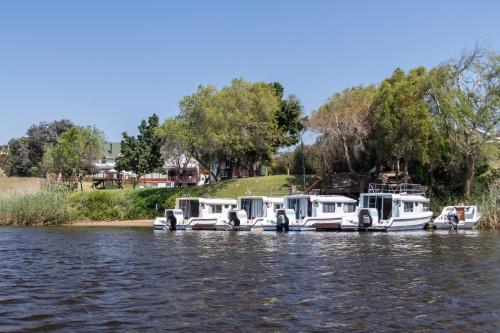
<point>111,279</point>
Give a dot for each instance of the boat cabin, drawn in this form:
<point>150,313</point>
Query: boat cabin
<point>319,205</point>
<point>394,205</point>
<point>259,206</point>
<point>204,208</point>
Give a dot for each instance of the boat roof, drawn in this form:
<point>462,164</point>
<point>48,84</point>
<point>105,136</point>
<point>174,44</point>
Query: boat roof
<point>221,201</point>
<point>400,196</point>
<point>324,198</point>
<point>264,198</point>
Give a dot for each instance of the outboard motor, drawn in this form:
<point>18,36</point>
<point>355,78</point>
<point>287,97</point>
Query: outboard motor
<point>282,221</point>
<point>171,220</point>
<point>453,220</point>
<point>234,221</point>
<point>365,218</point>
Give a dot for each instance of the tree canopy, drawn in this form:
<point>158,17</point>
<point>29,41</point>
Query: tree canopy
<point>142,154</point>
<point>75,153</point>
<point>235,126</point>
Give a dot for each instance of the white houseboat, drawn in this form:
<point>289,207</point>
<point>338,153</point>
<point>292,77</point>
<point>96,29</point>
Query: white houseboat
<point>390,208</point>
<point>468,216</point>
<point>314,212</point>
<point>260,211</point>
<point>197,214</point>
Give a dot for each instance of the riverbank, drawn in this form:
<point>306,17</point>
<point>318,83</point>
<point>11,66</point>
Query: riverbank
<point>123,224</point>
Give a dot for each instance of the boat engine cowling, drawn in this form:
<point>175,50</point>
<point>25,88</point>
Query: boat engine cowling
<point>173,217</point>
<point>282,220</point>
<point>366,217</point>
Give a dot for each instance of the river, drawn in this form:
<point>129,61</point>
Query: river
<point>71,279</point>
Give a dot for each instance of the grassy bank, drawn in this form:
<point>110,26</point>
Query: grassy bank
<point>132,204</point>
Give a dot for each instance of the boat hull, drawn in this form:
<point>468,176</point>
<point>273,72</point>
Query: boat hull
<point>402,224</point>
<point>460,225</point>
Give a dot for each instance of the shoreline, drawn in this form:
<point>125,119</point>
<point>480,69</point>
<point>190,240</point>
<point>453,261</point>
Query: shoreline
<point>125,223</point>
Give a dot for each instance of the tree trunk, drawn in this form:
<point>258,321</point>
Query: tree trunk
<point>230,170</point>
<point>348,159</point>
<point>288,171</point>
<point>81,183</point>
<point>469,174</point>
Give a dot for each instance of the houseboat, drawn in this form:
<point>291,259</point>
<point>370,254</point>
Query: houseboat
<point>468,216</point>
<point>390,208</point>
<point>314,212</point>
<point>260,211</point>
<point>197,214</point>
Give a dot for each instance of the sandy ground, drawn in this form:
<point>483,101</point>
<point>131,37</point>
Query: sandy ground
<point>132,223</point>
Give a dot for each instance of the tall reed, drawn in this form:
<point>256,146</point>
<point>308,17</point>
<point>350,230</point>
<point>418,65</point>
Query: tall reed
<point>489,207</point>
<point>44,207</point>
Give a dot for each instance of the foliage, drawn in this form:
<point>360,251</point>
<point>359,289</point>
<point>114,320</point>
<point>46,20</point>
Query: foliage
<point>142,154</point>
<point>343,125</point>
<point>467,98</point>
<point>75,153</point>
<point>18,163</point>
<point>401,120</point>
<point>233,127</point>
<point>26,153</point>
<point>288,117</point>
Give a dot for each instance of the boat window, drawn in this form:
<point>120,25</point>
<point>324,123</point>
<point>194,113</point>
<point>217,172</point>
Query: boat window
<point>190,208</point>
<point>253,207</point>
<point>372,203</point>
<point>425,207</point>
<point>301,206</point>
<point>408,207</point>
<point>349,207</point>
<point>365,201</point>
<point>276,207</point>
<point>329,207</point>
<point>215,209</point>
<point>339,204</point>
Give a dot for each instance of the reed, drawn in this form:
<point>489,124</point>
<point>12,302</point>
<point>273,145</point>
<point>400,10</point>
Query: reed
<point>47,206</point>
<point>489,206</point>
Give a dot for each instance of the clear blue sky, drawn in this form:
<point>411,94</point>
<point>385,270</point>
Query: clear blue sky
<point>113,63</point>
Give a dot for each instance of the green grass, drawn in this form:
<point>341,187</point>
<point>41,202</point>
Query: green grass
<point>130,204</point>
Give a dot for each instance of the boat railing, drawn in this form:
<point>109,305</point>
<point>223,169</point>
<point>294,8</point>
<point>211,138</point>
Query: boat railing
<point>396,188</point>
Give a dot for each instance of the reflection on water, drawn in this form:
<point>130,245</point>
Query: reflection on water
<point>136,279</point>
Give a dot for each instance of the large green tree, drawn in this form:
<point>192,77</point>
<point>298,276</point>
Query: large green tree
<point>235,126</point>
<point>75,153</point>
<point>142,154</point>
<point>343,125</point>
<point>401,120</point>
<point>465,97</point>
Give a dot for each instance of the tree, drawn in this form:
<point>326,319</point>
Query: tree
<point>75,153</point>
<point>26,153</point>
<point>174,140</point>
<point>234,127</point>
<point>18,162</point>
<point>343,125</point>
<point>467,99</point>
<point>42,136</point>
<point>401,120</point>
<point>288,117</point>
<point>142,154</point>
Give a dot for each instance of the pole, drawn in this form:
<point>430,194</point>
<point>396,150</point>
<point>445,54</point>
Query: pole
<point>303,162</point>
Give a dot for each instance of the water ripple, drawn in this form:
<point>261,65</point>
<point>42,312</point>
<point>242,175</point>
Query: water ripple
<point>104,279</point>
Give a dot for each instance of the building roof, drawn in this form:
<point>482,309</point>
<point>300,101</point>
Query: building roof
<point>112,149</point>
